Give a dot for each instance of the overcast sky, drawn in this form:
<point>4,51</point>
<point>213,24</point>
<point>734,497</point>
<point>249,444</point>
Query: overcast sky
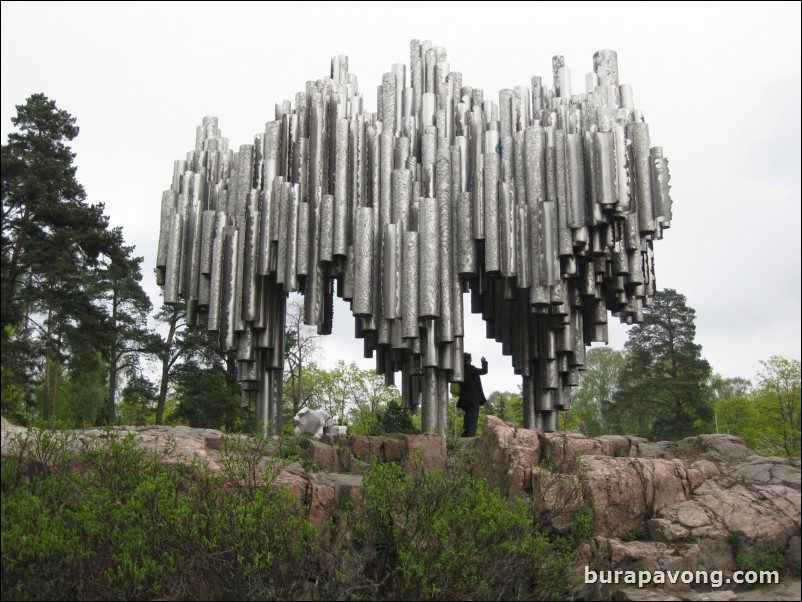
<point>719,85</point>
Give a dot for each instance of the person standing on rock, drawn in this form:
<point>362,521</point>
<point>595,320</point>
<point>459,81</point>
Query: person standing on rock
<point>471,396</point>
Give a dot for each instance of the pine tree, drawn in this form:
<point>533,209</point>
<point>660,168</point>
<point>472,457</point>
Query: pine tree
<point>51,238</point>
<point>663,387</point>
<point>127,336</point>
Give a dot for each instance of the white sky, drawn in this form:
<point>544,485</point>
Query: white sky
<point>719,84</point>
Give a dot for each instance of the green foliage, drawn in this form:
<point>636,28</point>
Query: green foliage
<point>12,397</point>
<point>82,389</point>
<point>288,449</point>
<point>72,302</point>
<point>388,418</point>
<point>590,412</point>
<point>778,395</point>
<point>116,521</point>
<point>505,405</point>
<point>663,386</point>
<point>767,418</point>
<point>309,465</point>
<point>355,397</point>
<point>558,504</point>
<point>127,525</point>
<point>429,536</point>
<point>635,533</point>
<point>207,397</point>
<point>764,562</point>
<point>51,242</point>
<point>138,403</point>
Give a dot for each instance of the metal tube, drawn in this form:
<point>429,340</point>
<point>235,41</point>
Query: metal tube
<point>429,259</point>
<point>565,193</point>
<point>490,172</point>
<point>409,286</point>
<point>363,262</point>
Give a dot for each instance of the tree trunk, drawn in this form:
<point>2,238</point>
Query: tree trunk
<point>48,361</point>
<point>113,359</point>
<point>163,390</point>
<point>168,359</point>
<point>56,373</point>
<point>112,387</point>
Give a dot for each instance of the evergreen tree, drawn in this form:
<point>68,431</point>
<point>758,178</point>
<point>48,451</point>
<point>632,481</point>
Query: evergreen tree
<point>663,388</point>
<point>207,393</point>
<point>505,405</point>
<point>51,239</point>
<point>171,349</point>
<point>127,336</point>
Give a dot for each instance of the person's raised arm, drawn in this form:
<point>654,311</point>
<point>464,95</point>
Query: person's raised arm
<point>484,366</point>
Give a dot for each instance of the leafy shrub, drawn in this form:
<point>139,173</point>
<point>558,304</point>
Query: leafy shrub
<point>635,533</point>
<point>309,465</point>
<point>116,521</point>
<point>126,525</point>
<point>387,419</point>
<point>559,504</point>
<point>432,536</point>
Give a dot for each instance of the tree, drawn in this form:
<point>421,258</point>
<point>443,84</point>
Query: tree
<point>591,406</point>
<point>127,304</point>
<point>137,405</point>
<point>50,240</point>
<point>505,405</point>
<point>300,348</point>
<point>207,393</point>
<point>723,388</point>
<point>767,418</point>
<point>171,349</point>
<point>778,397</point>
<point>663,388</point>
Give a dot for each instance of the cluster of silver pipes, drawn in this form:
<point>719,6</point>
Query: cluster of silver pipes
<point>543,206</point>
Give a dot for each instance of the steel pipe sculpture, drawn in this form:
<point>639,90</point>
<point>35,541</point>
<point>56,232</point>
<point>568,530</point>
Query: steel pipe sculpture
<point>544,206</point>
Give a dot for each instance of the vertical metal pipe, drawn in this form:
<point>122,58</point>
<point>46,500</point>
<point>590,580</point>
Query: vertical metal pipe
<point>429,408</point>
<point>401,196</point>
<point>429,259</point>
<point>390,275</point>
<point>291,250</point>
<point>250,308</point>
<point>327,229</point>
<point>507,215</point>
<point>442,403</point>
<point>313,296</point>
<point>173,262</point>
<point>638,132</point>
<point>465,252</point>
<point>228,309</point>
<point>363,262</point>
<point>490,172</point>
<point>409,286</point>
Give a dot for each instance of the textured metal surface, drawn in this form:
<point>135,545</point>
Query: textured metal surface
<point>544,206</point>
<point>429,259</point>
<point>363,262</point>
<point>409,286</point>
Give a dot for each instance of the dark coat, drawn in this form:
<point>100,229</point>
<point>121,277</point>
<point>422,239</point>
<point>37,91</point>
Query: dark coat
<point>471,392</point>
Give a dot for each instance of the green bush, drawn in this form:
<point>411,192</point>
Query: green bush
<point>432,536</point>
<point>116,522</point>
<point>387,419</point>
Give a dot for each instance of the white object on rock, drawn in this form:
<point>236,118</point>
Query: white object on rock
<point>315,422</point>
